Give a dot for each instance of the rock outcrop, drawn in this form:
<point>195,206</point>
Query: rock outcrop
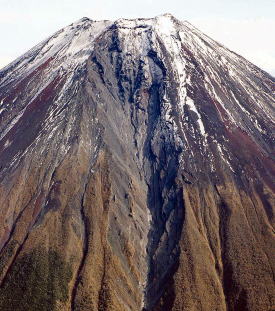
<point>136,172</point>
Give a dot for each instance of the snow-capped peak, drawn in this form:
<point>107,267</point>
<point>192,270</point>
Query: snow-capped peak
<point>67,48</point>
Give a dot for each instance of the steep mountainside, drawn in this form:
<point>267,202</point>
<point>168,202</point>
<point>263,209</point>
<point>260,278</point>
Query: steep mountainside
<point>136,173</point>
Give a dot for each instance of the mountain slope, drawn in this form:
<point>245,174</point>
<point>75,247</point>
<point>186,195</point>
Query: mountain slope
<point>136,172</point>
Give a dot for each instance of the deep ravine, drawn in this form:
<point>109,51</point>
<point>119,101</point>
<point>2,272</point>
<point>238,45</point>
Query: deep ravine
<point>136,172</point>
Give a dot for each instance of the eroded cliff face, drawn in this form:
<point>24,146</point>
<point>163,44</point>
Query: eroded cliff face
<point>136,172</point>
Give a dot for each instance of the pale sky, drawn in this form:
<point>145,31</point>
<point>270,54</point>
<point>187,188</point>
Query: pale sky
<point>244,26</point>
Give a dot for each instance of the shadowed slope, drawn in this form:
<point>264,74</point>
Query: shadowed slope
<point>136,172</point>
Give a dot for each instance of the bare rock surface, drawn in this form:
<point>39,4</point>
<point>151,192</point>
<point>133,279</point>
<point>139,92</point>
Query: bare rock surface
<point>136,172</point>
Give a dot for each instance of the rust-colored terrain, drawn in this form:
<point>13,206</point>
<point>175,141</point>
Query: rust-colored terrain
<point>136,173</point>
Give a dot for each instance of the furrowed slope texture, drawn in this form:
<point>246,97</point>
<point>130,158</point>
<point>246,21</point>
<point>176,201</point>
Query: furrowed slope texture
<point>136,172</point>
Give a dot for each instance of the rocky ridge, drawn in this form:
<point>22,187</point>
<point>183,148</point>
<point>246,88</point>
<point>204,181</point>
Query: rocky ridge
<point>136,169</point>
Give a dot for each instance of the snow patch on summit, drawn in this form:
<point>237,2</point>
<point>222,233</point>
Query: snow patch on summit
<point>69,48</point>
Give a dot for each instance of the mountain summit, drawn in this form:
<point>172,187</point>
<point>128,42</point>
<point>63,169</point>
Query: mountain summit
<point>136,172</point>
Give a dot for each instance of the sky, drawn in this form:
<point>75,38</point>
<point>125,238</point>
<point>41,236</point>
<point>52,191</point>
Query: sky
<point>244,26</point>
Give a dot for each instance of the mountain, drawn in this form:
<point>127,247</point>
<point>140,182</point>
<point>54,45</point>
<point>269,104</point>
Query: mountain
<point>136,172</point>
